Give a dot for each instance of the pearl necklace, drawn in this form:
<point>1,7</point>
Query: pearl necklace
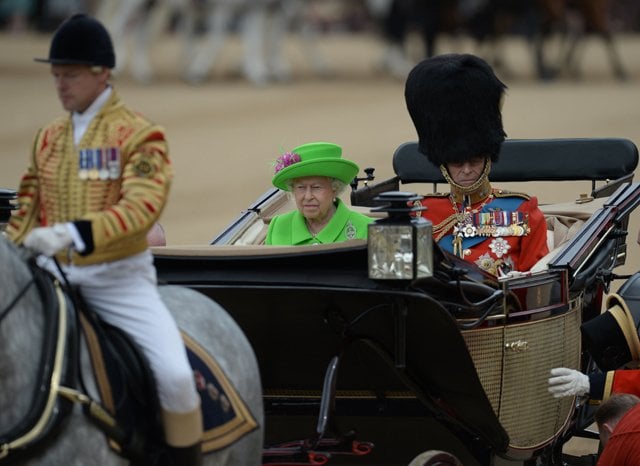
<point>316,231</point>
<point>317,228</point>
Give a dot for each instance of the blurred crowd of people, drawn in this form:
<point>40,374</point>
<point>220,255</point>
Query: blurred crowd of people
<point>486,22</point>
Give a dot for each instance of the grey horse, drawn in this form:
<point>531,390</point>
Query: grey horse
<point>23,321</point>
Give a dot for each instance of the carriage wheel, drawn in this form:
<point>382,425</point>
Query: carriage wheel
<point>435,458</point>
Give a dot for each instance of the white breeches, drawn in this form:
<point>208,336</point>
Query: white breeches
<point>124,293</point>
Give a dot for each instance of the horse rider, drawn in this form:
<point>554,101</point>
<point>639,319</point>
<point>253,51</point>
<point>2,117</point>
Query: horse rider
<point>97,181</point>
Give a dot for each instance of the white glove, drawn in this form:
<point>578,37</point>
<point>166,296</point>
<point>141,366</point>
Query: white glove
<point>49,240</point>
<point>568,382</point>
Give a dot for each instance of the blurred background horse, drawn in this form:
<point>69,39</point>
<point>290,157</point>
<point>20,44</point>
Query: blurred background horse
<point>203,27</point>
<point>575,20</point>
<point>25,318</point>
<point>556,32</point>
<point>565,24</point>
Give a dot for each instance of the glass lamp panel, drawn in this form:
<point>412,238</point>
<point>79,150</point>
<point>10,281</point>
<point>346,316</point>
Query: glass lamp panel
<point>424,252</point>
<point>391,254</point>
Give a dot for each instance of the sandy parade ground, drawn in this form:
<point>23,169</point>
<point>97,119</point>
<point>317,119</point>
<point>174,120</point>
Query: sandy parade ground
<point>225,133</point>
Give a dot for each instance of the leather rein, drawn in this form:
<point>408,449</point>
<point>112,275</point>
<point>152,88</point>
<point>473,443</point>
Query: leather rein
<point>38,422</point>
<point>17,298</point>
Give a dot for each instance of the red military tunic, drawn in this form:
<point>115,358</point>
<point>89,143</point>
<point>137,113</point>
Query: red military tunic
<point>603,385</point>
<point>502,232</point>
<point>622,381</point>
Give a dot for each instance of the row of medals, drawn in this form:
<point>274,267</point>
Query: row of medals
<point>466,228</point>
<point>99,164</point>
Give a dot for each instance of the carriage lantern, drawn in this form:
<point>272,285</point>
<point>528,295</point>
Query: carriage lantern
<point>400,245</point>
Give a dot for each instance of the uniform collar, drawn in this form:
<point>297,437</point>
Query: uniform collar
<point>470,195</point>
<point>473,197</point>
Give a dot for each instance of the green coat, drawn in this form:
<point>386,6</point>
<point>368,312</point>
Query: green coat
<point>290,229</point>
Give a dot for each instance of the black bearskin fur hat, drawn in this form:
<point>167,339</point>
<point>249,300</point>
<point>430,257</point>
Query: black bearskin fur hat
<point>454,101</point>
<point>81,40</point>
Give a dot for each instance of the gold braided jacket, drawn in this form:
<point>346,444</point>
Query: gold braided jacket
<point>121,208</point>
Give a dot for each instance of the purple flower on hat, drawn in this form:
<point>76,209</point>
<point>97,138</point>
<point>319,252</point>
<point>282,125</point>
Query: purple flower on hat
<point>286,159</point>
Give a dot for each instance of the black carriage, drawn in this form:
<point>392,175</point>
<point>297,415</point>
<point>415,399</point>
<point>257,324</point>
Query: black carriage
<point>358,370</point>
<point>363,371</point>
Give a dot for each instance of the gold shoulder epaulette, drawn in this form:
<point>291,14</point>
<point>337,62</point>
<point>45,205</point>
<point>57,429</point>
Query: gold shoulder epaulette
<point>506,193</point>
<point>436,195</point>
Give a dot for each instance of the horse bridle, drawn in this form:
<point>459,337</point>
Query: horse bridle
<point>24,289</point>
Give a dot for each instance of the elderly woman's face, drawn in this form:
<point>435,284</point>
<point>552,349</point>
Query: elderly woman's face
<point>466,173</point>
<point>314,197</point>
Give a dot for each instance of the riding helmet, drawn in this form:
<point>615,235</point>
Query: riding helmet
<point>455,102</point>
<point>81,40</point>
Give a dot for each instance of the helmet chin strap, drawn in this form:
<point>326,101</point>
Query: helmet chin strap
<point>475,192</point>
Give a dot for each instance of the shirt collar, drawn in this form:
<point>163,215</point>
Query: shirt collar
<point>81,120</point>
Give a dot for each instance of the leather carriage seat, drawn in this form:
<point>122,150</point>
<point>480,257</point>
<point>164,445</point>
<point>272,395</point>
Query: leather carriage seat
<point>564,220</point>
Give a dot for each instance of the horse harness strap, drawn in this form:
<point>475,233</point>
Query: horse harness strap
<point>17,298</point>
<point>93,409</point>
<point>43,415</point>
<point>36,430</point>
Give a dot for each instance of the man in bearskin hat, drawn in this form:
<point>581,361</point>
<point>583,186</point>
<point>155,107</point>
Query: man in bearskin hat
<point>97,181</point>
<point>455,103</point>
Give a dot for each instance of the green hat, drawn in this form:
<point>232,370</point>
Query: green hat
<point>313,159</point>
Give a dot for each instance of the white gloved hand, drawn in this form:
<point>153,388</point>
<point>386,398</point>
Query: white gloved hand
<point>49,240</point>
<point>568,382</point>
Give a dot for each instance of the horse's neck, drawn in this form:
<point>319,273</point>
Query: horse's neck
<point>21,335</point>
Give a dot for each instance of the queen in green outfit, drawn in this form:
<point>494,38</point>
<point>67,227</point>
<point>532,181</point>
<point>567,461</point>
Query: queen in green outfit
<point>316,174</point>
